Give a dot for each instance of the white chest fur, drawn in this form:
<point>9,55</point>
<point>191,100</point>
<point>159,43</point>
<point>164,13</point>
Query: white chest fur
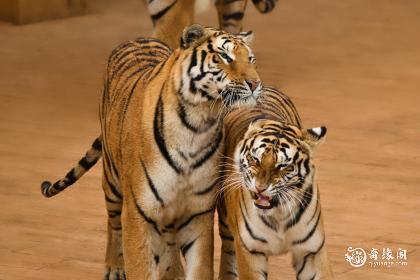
<point>255,233</point>
<point>173,194</point>
<point>269,231</point>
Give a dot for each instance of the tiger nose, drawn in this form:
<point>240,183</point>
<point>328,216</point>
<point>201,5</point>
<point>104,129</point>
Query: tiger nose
<point>260,188</point>
<point>252,84</point>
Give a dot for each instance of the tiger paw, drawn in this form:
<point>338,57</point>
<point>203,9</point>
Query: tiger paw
<point>114,273</point>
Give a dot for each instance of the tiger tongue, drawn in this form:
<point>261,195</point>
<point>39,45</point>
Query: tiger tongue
<point>262,200</point>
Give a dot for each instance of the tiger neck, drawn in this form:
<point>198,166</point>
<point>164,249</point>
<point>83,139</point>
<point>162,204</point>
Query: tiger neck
<point>196,112</point>
<point>188,134</point>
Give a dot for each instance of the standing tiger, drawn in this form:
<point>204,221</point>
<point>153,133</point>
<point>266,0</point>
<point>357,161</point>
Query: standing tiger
<point>270,201</point>
<point>169,17</point>
<point>161,133</point>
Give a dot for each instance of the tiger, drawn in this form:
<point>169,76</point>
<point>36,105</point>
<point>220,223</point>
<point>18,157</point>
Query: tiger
<point>269,202</point>
<point>161,134</point>
<point>169,17</point>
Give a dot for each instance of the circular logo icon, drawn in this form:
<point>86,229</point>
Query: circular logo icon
<point>356,257</point>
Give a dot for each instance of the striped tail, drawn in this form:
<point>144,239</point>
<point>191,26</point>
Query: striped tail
<point>92,156</point>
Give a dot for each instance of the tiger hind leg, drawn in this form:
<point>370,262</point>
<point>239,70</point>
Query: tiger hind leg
<point>231,12</point>
<point>169,18</point>
<point>114,260</point>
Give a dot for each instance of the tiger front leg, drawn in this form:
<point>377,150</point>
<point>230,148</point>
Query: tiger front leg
<point>137,241</point>
<point>310,257</point>
<point>195,237</point>
<point>228,269</point>
<point>252,265</point>
<point>168,259</point>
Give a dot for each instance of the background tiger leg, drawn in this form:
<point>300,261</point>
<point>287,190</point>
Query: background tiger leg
<point>252,265</point>
<point>114,260</point>
<point>169,18</point>
<point>310,258</point>
<point>196,242</point>
<point>230,14</point>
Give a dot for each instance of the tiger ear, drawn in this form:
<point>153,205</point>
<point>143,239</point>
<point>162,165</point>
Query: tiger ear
<point>247,37</point>
<point>314,136</point>
<point>191,34</point>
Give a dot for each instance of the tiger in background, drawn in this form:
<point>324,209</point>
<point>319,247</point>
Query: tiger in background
<point>270,200</point>
<point>169,17</point>
<point>161,133</point>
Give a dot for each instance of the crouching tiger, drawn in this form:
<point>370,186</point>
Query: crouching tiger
<point>270,201</point>
<point>161,133</point>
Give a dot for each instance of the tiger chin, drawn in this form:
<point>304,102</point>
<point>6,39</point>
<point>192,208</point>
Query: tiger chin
<point>161,136</point>
<point>270,200</point>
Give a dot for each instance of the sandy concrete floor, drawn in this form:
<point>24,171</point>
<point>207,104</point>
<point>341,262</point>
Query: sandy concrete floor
<point>351,65</point>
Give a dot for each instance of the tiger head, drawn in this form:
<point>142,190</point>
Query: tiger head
<point>218,66</point>
<point>275,161</point>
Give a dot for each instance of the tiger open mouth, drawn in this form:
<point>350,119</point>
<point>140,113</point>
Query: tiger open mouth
<point>261,201</point>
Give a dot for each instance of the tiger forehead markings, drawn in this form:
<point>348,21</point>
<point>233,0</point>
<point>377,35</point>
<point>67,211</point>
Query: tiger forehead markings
<point>283,149</point>
<point>161,114</point>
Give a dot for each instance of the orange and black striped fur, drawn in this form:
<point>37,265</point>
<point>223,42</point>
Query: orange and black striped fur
<point>161,133</point>
<point>270,200</point>
<point>171,16</point>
